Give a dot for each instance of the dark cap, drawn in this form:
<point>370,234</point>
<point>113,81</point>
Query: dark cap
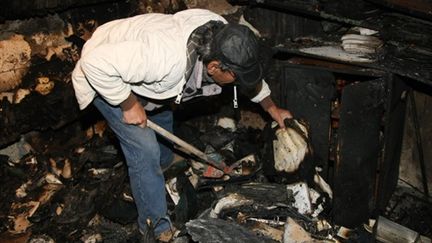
<point>237,47</point>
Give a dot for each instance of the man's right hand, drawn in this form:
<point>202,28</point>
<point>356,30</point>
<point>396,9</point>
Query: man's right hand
<point>133,112</point>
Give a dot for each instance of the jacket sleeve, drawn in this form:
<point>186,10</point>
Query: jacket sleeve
<point>263,93</point>
<point>111,69</point>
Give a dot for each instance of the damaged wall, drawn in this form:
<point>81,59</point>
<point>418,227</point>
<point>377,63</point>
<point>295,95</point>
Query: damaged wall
<point>39,51</point>
<point>37,57</point>
<point>410,167</point>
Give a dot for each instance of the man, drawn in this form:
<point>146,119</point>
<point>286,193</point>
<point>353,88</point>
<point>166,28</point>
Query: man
<point>131,67</point>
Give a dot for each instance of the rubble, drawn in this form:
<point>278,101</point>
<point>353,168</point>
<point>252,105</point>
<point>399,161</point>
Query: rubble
<point>220,231</point>
<point>83,195</point>
<point>294,233</point>
<point>388,231</point>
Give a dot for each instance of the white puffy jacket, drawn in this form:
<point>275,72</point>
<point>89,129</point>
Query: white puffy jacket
<point>145,54</point>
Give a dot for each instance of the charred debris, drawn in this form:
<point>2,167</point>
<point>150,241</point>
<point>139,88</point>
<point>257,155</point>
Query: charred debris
<point>348,72</point>
<point>72,185</point>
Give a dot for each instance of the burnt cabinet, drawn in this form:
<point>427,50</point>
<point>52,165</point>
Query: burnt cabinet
<point>356,134</point>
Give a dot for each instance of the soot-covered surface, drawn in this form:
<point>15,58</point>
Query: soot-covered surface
<point>73,187</point>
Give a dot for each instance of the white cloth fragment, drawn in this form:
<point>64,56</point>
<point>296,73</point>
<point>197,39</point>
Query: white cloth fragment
<point>323,185</point>
<point>230,201</point>
<point>171,186</point>
<point>290,148</point>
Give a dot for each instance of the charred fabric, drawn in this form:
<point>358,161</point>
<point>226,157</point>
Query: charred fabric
<point>343,69</point>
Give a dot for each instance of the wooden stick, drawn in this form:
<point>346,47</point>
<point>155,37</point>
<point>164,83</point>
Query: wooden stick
<point>186,146</point>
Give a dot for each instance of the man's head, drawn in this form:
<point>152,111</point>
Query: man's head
<point>235,54</point>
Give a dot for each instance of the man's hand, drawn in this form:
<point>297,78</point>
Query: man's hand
<point>133,112</point>
<point>279,115</point>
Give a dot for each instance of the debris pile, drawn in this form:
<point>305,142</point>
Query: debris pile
<point>72,186</point>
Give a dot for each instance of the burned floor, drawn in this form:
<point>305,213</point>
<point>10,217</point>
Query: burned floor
<point>353,166</point>
<point>71,185</point>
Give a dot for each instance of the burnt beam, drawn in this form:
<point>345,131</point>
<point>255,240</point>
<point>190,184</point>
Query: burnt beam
<point>335,67</point>
<point>349,12</point>
<point>417,8</point>
<point>21,9</point>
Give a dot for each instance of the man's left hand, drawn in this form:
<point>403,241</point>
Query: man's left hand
<point>279,115</point>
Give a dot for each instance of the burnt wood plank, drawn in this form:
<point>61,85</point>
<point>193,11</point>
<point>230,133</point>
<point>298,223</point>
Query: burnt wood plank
<point>394,125</point>
<point>335,67</point>
<point>349,12</point>
<point>399,59</point>
<point>418,8</point>
<point>17,9</point>
<point>362,108</point>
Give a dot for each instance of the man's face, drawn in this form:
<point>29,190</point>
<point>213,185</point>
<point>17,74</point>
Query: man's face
<point>219,76</point>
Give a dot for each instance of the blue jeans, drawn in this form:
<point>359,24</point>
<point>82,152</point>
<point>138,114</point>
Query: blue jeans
<point>145,156</point>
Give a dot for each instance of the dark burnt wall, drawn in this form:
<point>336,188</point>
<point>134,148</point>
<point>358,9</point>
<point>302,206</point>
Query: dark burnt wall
<point>40,43</point>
